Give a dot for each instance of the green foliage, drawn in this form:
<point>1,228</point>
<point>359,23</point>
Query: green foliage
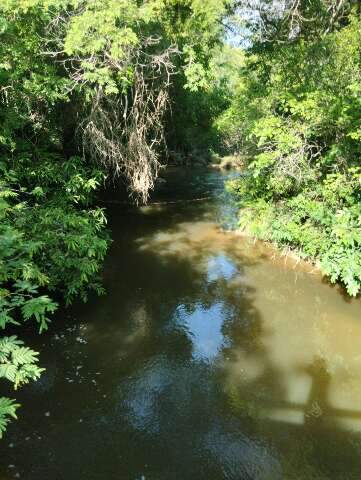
<point>20,276</point>
<point>70,234</point>
<point>8,409</point>
<point>192,128</point>
<point>18,365</point>
<point>67,66</point>
<point>296,116</point>
<point>48,239</point>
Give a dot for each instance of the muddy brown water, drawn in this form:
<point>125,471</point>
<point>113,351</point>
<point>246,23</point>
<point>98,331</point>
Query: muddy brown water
<point>211,357</point>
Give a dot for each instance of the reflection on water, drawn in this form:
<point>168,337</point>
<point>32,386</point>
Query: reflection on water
<point>211,357</point>
<point>220,267</point>
<point>203,326</point>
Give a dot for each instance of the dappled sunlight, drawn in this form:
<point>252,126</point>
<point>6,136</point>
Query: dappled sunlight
<point>285,415</point>
<point>208,346</point>
<point>281,322</point>
<point>185,239</point>
<point>180,240</point>
<point>298,346</point>
<point>203,243</point>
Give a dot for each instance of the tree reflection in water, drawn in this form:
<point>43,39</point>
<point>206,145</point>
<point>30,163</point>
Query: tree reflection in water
<point>216,360</point>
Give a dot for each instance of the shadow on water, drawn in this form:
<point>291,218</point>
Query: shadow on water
<point>203,361</point>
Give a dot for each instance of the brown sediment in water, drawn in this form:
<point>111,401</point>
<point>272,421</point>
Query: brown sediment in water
<point>304,322</point>
<point>212,356</point>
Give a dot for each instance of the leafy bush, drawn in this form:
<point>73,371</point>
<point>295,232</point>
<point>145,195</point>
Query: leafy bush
<point>18,364</point>
<point>8,409</point>
<point>51,241</point>
<point>322,223</point>
<point>296,115</point>
<point>90,78</point>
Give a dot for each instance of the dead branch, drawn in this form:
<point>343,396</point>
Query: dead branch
<point>123,130</point>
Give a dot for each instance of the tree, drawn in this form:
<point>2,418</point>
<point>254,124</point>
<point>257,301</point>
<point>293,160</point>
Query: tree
<point>296,116</point>
<point>84,88</point>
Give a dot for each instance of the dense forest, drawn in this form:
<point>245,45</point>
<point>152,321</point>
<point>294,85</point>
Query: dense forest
<point>93,92</point>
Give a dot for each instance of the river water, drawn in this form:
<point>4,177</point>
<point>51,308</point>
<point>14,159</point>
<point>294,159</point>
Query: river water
<point>211,357</point>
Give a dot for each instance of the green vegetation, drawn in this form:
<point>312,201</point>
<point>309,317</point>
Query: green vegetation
<point>84,90</point>
<point>296,117</point>
<point>18,364</point>
<point>94,89</point>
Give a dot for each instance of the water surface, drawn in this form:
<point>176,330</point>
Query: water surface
<point>211,357</point>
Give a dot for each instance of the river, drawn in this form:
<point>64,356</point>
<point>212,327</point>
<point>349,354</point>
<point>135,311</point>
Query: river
<point>211,357</point>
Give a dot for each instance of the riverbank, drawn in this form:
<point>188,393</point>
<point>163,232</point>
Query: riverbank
<point>315,225</point>
<point>210,355</point>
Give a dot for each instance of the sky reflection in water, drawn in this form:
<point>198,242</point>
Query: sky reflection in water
<point>210,358</point>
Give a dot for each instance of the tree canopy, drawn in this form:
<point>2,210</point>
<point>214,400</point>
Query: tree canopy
<point>296,118</point>
<point>96,89</point>
<point>85,86</point>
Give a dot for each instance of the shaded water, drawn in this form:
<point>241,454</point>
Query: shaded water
<point>211,357</point>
